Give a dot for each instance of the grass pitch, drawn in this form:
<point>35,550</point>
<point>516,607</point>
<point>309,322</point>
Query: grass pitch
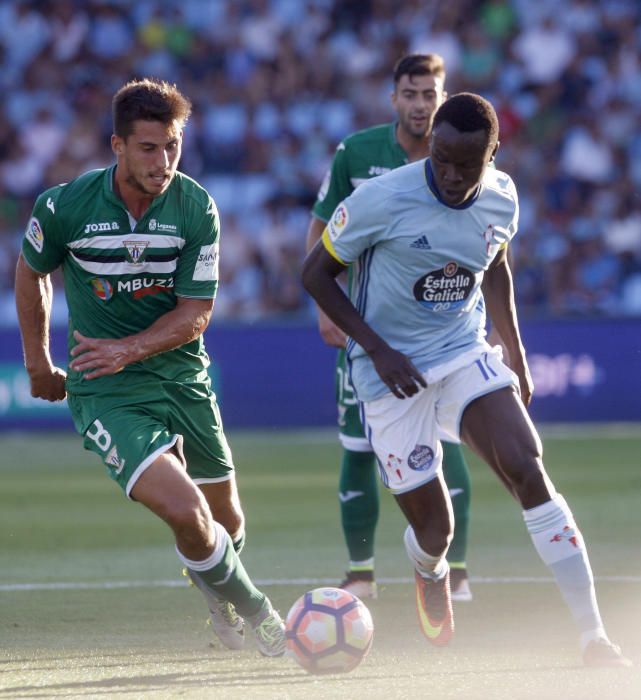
<point>92,605</point>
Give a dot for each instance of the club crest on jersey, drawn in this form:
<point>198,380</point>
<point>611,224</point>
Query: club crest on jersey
<point>102,288</point>
<point>495,235</point>
<point>421,458</point>
<point>34,234</point>
<point>445,289</point>
<point>136,250</point>
<point>154,225</point>
<point>338,222</point>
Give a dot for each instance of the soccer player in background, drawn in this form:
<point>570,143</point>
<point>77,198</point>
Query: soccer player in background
<point>138,246</point>
<point>421,364</point>
<point>419,89</point>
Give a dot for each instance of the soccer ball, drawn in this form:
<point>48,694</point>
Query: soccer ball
<point>328,630</point>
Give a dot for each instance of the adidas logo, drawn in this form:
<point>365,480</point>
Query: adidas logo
<point>422,243</point>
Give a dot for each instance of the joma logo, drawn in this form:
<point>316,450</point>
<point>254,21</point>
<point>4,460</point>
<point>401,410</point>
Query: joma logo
<point>102,226</point>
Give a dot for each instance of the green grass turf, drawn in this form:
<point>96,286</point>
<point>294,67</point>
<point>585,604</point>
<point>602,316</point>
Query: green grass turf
<point>63,520</point>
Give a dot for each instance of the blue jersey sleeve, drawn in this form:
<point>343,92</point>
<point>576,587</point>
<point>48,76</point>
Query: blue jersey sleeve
<point>358,223</point>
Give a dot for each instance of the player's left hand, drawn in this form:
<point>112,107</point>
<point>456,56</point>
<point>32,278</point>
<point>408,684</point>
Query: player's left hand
<point>526,385</point>
<point>97,357</point>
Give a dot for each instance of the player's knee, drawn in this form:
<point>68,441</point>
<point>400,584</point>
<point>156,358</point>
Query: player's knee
<point>232,519</point>
<point>529,482</point>
<point>190,520</point>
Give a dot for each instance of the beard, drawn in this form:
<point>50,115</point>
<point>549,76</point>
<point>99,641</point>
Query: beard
<point>138,185</point>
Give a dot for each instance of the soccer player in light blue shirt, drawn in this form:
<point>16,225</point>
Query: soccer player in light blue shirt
<point>428,245</point>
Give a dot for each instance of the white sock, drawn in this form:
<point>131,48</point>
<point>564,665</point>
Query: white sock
<point>427,565</point>
<point>560,545</point>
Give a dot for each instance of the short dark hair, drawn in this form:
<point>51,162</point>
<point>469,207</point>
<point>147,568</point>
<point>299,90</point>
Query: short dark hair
<point>148,99</point>
<point>467,112</point>
<point>419,64</point>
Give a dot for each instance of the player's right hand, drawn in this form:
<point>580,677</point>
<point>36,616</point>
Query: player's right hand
<point>330,332</point>
<point>398,372</point>
<point>48,384</point>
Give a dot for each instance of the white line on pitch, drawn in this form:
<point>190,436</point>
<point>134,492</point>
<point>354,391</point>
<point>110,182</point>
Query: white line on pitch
<point>180,583</point>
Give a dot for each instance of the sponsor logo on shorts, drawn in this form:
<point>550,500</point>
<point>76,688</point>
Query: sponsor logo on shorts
<point>421,458</point>
<point>34,234</point>
<point>393,465</point>
<point>338,222</point>
<point>102,288</point>
<point>445,289</point>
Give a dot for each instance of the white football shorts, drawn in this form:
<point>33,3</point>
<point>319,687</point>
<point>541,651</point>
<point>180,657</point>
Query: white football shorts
<point>406,433</point>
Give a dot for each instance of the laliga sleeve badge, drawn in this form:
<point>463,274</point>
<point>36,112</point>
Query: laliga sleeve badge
<point>338,222</point>
<point>34,234</point>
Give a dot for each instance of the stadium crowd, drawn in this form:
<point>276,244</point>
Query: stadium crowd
<point>276,84</point>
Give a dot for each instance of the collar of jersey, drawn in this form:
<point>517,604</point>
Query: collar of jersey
<point>395,143</point>
<point>429,176</point>
<point>109,185</point>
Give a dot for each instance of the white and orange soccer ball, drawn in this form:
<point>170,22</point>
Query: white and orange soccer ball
<point>329,630</point>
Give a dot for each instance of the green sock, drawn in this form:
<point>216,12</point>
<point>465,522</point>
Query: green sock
<point>239,542</point>
<point>457,478</point>
<point>358,493</point>
<point>227,578</point>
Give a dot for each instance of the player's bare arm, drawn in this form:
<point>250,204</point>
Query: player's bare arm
<point>396,370</point>
<point>34,297</point>
<point>97,357</point>
<point>329,331</point>
<point>498,291</point>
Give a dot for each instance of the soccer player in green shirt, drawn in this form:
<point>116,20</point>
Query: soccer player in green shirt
<point>419,89</point>
<point>138,246</point>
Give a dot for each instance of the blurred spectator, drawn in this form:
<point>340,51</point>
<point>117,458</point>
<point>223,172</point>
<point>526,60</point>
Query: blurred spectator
<point>276,84</point>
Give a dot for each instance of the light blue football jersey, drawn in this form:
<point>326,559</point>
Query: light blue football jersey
<point>418,264</point>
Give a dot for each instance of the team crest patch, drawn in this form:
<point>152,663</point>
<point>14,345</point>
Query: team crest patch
<point>393,465</point>
<point>34,234</point>
<point>495,235</point>
<point>136,250</point>
<point>568,534</point>
<point>338,222</point>
<point>102,288</point>
<point>113,459</point>
<point>421,458</point>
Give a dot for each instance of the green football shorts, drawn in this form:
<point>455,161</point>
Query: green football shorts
<point>350,428</point>
<point>128,438</point>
